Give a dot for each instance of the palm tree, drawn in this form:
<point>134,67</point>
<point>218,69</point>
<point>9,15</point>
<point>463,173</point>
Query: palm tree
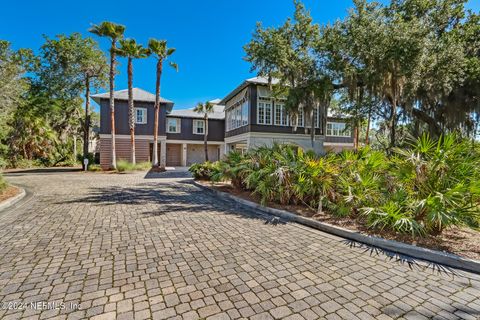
<point>161,52</point>
<point>114,32</point>
<point>131,50</point>
<point>205,109</point>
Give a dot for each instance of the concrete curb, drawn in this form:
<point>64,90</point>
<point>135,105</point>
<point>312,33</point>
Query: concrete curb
<point>429,255</point>
<point>11,201</point>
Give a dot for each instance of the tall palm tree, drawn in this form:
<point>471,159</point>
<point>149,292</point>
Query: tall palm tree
<point>205,109</point>
<point>161,52</point>
<point>114,32</point>
<point>131,50</point>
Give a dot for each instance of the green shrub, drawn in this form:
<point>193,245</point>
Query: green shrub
<point>126,166</point>
<point>205,171</point>
<point>421,189</point>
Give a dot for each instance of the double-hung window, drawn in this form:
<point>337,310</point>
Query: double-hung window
<point>338,129</point>
<point>140,115</point>
<point>281,117</point>
<point>264,111</point>
<point>198,126</point>
<point>173,125</point>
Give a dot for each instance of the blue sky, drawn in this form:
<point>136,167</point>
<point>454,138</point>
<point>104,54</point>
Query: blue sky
<point>208,35</point>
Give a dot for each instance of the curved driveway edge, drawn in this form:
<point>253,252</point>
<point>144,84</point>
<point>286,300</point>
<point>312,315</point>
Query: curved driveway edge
<point>429,255</point>
<point>13,200</point>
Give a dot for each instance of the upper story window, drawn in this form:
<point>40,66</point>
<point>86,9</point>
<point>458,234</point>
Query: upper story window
<point>140,115</point>
<point>338,129</point>
<point>198,126</point>
<point>299,118</point>
<point>281,115</point>
<point>237,116</point>
<point>264,111</point>
<point>173,125</point>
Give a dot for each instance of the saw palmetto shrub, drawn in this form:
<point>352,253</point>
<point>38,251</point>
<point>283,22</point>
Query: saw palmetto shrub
<point>421,189</point>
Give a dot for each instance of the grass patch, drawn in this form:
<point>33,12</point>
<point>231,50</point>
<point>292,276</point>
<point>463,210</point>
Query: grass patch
<point>125,166</point>
<point>94,168</point>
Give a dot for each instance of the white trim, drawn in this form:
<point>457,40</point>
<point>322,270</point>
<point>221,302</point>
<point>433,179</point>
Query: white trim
<point>144,111</point>
<point>178,125</point>
<point>270,102</point>
<point>194,142</point>
<point>196,126</point>
<point>273,135</point>
<point>283,114</point>
<point>335,135</point>
<point>339,144</point>
<point>126,136</point>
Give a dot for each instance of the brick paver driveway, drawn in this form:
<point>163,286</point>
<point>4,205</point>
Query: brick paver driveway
<point>138,247</point>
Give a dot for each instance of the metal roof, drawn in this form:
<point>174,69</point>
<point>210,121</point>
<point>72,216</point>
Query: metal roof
<point>218,113</point>
<point>254,80</point>
<point>138,95</point>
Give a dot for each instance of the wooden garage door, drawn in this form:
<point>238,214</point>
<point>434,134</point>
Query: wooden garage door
<point>174,155</point>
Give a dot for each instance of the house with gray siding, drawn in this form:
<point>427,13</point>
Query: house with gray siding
<point>249,116</point>
<point>180,132</point>
<point>253,118</point>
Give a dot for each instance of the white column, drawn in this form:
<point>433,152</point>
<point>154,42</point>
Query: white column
<point>163,153</point>
<point>184,154</point>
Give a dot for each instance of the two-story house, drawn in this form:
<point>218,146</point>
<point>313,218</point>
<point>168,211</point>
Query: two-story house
<point>253,117</point>
<point>247,117</point>
<point>180,132</point>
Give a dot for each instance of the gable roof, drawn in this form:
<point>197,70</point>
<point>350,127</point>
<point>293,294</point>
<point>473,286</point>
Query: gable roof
<point>244,84</point>
<point>138,95</point>
<point>218,113</point>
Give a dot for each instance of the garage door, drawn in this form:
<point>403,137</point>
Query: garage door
<point>174,155</point>
<point>196,153</point>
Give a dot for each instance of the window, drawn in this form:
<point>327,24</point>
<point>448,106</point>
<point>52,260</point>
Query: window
<point>281,118</point>
<point>173,125</point>
<point>140,115</point>
<point>237,116</point>
<point>338,129</point>
<point>300,116</point>
<point>264,111</point>
<point>198,127</point>
<point>244,113</point>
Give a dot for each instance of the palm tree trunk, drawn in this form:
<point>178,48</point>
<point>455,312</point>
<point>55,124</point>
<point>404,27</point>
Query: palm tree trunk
<point>86,129</point>
<point>113,163</point>
<point>356,133</point>
<point>205,138</point>
<point>157,109</point>
<point>312,132</point>
<point>131,115</point>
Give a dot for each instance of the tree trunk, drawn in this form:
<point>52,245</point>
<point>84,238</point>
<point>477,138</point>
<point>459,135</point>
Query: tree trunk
<point>113,163</point>
<point>320,204</point>
<point>312,133</point>
<point>86,129</point>
<point>74,147</point>
<point>393,123</point>
<point>131,114</point>
<point>205,138</point>
<point>157,109</point>
<point>355,137</point>
<point>367,133</point>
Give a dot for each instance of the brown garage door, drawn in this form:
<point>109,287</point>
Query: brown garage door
<point>174,155</point>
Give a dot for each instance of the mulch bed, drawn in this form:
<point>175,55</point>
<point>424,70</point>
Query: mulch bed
<point>458,240</point>
<point>9,192</point>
